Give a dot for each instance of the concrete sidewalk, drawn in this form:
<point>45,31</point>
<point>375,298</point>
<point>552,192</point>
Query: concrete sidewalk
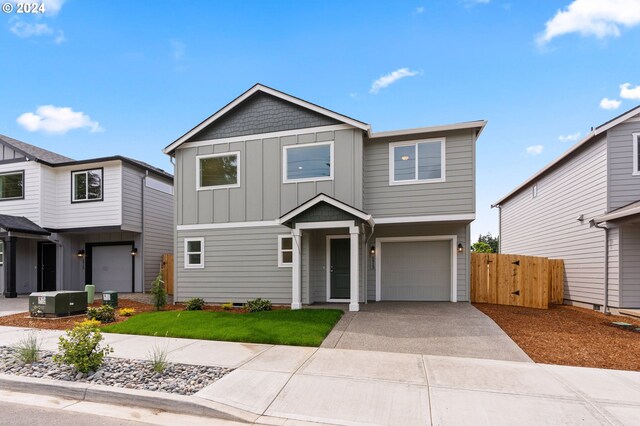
<point>281,384</point>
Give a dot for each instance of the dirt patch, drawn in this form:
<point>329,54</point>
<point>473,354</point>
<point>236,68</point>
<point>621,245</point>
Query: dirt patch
<point>568,335</point>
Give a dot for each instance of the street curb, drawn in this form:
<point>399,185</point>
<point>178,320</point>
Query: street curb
<point>180,404</point>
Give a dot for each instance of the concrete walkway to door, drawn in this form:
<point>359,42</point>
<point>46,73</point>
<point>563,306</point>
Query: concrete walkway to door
<point>429,328</point>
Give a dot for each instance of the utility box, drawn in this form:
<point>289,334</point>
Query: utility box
<point>57,303</point>
<point>110,298</point>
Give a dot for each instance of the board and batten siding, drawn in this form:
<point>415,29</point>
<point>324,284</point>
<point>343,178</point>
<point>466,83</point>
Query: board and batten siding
<point>624,187</point>
<point>28,207</point>
<point>157,230</point>
<point>262,195</point>
<point>132,198</point>
<point>547,225</point>
<point>454,196</point>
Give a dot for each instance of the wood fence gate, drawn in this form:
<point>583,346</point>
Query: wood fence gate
<point>167,272</point>
<point>506,279</point>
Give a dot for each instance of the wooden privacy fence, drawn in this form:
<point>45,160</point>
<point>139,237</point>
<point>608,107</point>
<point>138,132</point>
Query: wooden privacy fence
<point>167,272</point>
<point>507,279</point>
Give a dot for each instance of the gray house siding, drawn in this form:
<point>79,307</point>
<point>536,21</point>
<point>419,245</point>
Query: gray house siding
<point>131,198</point>
<point>262,195</point>
<point>157,231</point>
<point>454,196</point>
<point>624,188</point>
<point>262,113</point>
<point>630,266</point>
<point>547,225</point>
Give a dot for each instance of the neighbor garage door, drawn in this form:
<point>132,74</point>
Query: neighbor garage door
<point>111,268</point>
<point>416,270</point>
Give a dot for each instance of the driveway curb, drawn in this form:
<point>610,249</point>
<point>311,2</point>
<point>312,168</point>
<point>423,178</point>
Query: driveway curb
<point>180,404</point>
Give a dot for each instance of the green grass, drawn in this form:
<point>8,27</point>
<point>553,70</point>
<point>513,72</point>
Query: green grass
<point>304,327</point>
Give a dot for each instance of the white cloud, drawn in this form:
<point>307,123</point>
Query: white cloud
<point>391,78</point>
<point>57,120</point>
<point>607,103</point>
<point>628,92</point>
<point>567,138</point>
<point>25,30</point>
<point>599,18</point>
<point>535,149</point>
<point>471,3</point>
<point>420,9</point>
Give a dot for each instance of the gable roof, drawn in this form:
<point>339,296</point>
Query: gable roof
<point>588,138</point>
<point>20,224</point>
<point>324,198</point>
<point>273,92</point>
<point>33,151</point>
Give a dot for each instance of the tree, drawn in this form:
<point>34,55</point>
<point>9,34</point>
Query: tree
<point>486,244</point>
<point>481,247</point>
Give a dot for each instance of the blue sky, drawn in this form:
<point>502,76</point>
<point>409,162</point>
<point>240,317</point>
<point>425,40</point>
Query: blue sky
<point>95,78</point>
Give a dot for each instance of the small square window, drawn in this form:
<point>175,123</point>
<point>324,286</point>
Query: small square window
<point>194,253</point>
<point>12,185</point>
<point>87,185</point>
<point>285,251</point>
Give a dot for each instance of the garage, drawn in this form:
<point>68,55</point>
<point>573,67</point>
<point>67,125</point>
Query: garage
<point>112,267</point>
<point>415,269</point>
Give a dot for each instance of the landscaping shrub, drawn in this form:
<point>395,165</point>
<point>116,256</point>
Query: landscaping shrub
<point>104,314</point>
<point>227,306</point>
<point>195,304</point>
<point>126,312</point>
<point>257,305</point>
<point>158,293</point>
<point>81,348</point>
<point>27,350</point>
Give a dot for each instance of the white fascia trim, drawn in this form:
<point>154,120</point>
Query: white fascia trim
<point>618,215</point>
<point>228,225</point>
<point>285,159</point>
<point>432,218</point>
<point>454,259</point>
<point>222,154</point>
<point>415,143</point>
<point>276,93</point>
<point>407,132</point>
<point>338,204</point>
<point>324,225</point>
<point>257,136</point>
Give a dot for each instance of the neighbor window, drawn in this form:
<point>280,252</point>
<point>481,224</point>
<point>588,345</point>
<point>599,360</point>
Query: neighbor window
<point>218,170</point>
<point>636,154</point>
<point>534,191</point>
<point>1,253</point>
<point>87,185</point>
<point>194,253</point>
<point>11,185</point>
<point>285,250</point>
<point>308,162</point>
<point>416,162</point>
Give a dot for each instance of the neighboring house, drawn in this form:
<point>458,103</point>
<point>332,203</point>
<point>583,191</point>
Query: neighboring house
<point>282,199</point>
<point>584,208</point>
<point>64,223</point>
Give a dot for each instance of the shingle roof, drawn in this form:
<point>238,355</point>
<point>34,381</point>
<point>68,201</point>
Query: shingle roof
<point>34,151</point>
<point>20,224</point>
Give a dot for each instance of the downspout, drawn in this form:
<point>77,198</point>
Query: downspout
<point>605,306</point>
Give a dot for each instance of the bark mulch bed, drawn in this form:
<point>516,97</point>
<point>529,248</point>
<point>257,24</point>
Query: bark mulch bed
<point>568,335</point>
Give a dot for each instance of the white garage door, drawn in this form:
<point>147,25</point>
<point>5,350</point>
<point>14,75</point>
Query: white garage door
<point>111,268</point>
<point>416,270</point>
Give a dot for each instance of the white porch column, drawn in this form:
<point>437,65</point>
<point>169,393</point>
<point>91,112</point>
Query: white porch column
<point>354,232</point>
<point>296,279</point>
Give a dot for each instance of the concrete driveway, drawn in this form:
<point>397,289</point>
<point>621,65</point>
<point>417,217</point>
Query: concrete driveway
<point>430,328</point>
<point>13,306</point>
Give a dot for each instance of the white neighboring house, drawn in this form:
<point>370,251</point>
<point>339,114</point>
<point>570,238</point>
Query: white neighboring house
<point>66,223</point>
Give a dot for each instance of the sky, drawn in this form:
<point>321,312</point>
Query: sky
<point>91,78</point>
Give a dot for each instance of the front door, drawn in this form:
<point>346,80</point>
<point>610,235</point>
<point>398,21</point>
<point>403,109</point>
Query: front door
<point>48,267</point>
<point>340,268</point>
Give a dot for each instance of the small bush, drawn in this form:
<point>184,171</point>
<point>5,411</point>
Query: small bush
<point>158,293</point>
<point>258,305</point>
<point>91,323</point>
<point>227,306</point>
<point>81,348</point>
<point>104,314</point>
<point>158,358</point>
<point>195,304</point>
<point>126,312</point>
<point>27,350</point>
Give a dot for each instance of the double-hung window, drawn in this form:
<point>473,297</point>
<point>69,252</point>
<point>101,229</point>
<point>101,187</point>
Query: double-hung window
<point>193,253</point>
<point>636,153</point>
<point>285,251</point>
<point>216,171</point>
<point>416,162</point>
<point>308,162</point>
<point>86,185</point>
<point>12,185</point>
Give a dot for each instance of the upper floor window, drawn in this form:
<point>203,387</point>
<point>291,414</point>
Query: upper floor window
<point>285,250</point>
<point>87,185</point>
<point>12,185</point>
<point>416,162</point>
<point>194,253</point>
<point>218,170</point>
<point>636,154</point>
<point>308,162</point>
<point>1,253</point>
<point>534,190</point>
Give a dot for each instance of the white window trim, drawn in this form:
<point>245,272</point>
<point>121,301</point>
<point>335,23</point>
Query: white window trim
<point>187,265</point>
<point>285,148</point>
<point>86,173</point>
<point>636,139</point>
<point>415,143</point>
<point>222,154</point>
<point>281,262</point>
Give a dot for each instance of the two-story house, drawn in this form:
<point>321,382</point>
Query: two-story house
<point>282,199</point>
<point>584,207</point>
<point>66,223</point>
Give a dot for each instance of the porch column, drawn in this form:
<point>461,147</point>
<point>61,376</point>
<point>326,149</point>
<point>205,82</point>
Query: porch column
<point>10,267</point>
<point>296,279</point>
<point>354,232</point>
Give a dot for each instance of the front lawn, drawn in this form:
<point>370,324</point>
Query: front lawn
<point>304,327</point>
